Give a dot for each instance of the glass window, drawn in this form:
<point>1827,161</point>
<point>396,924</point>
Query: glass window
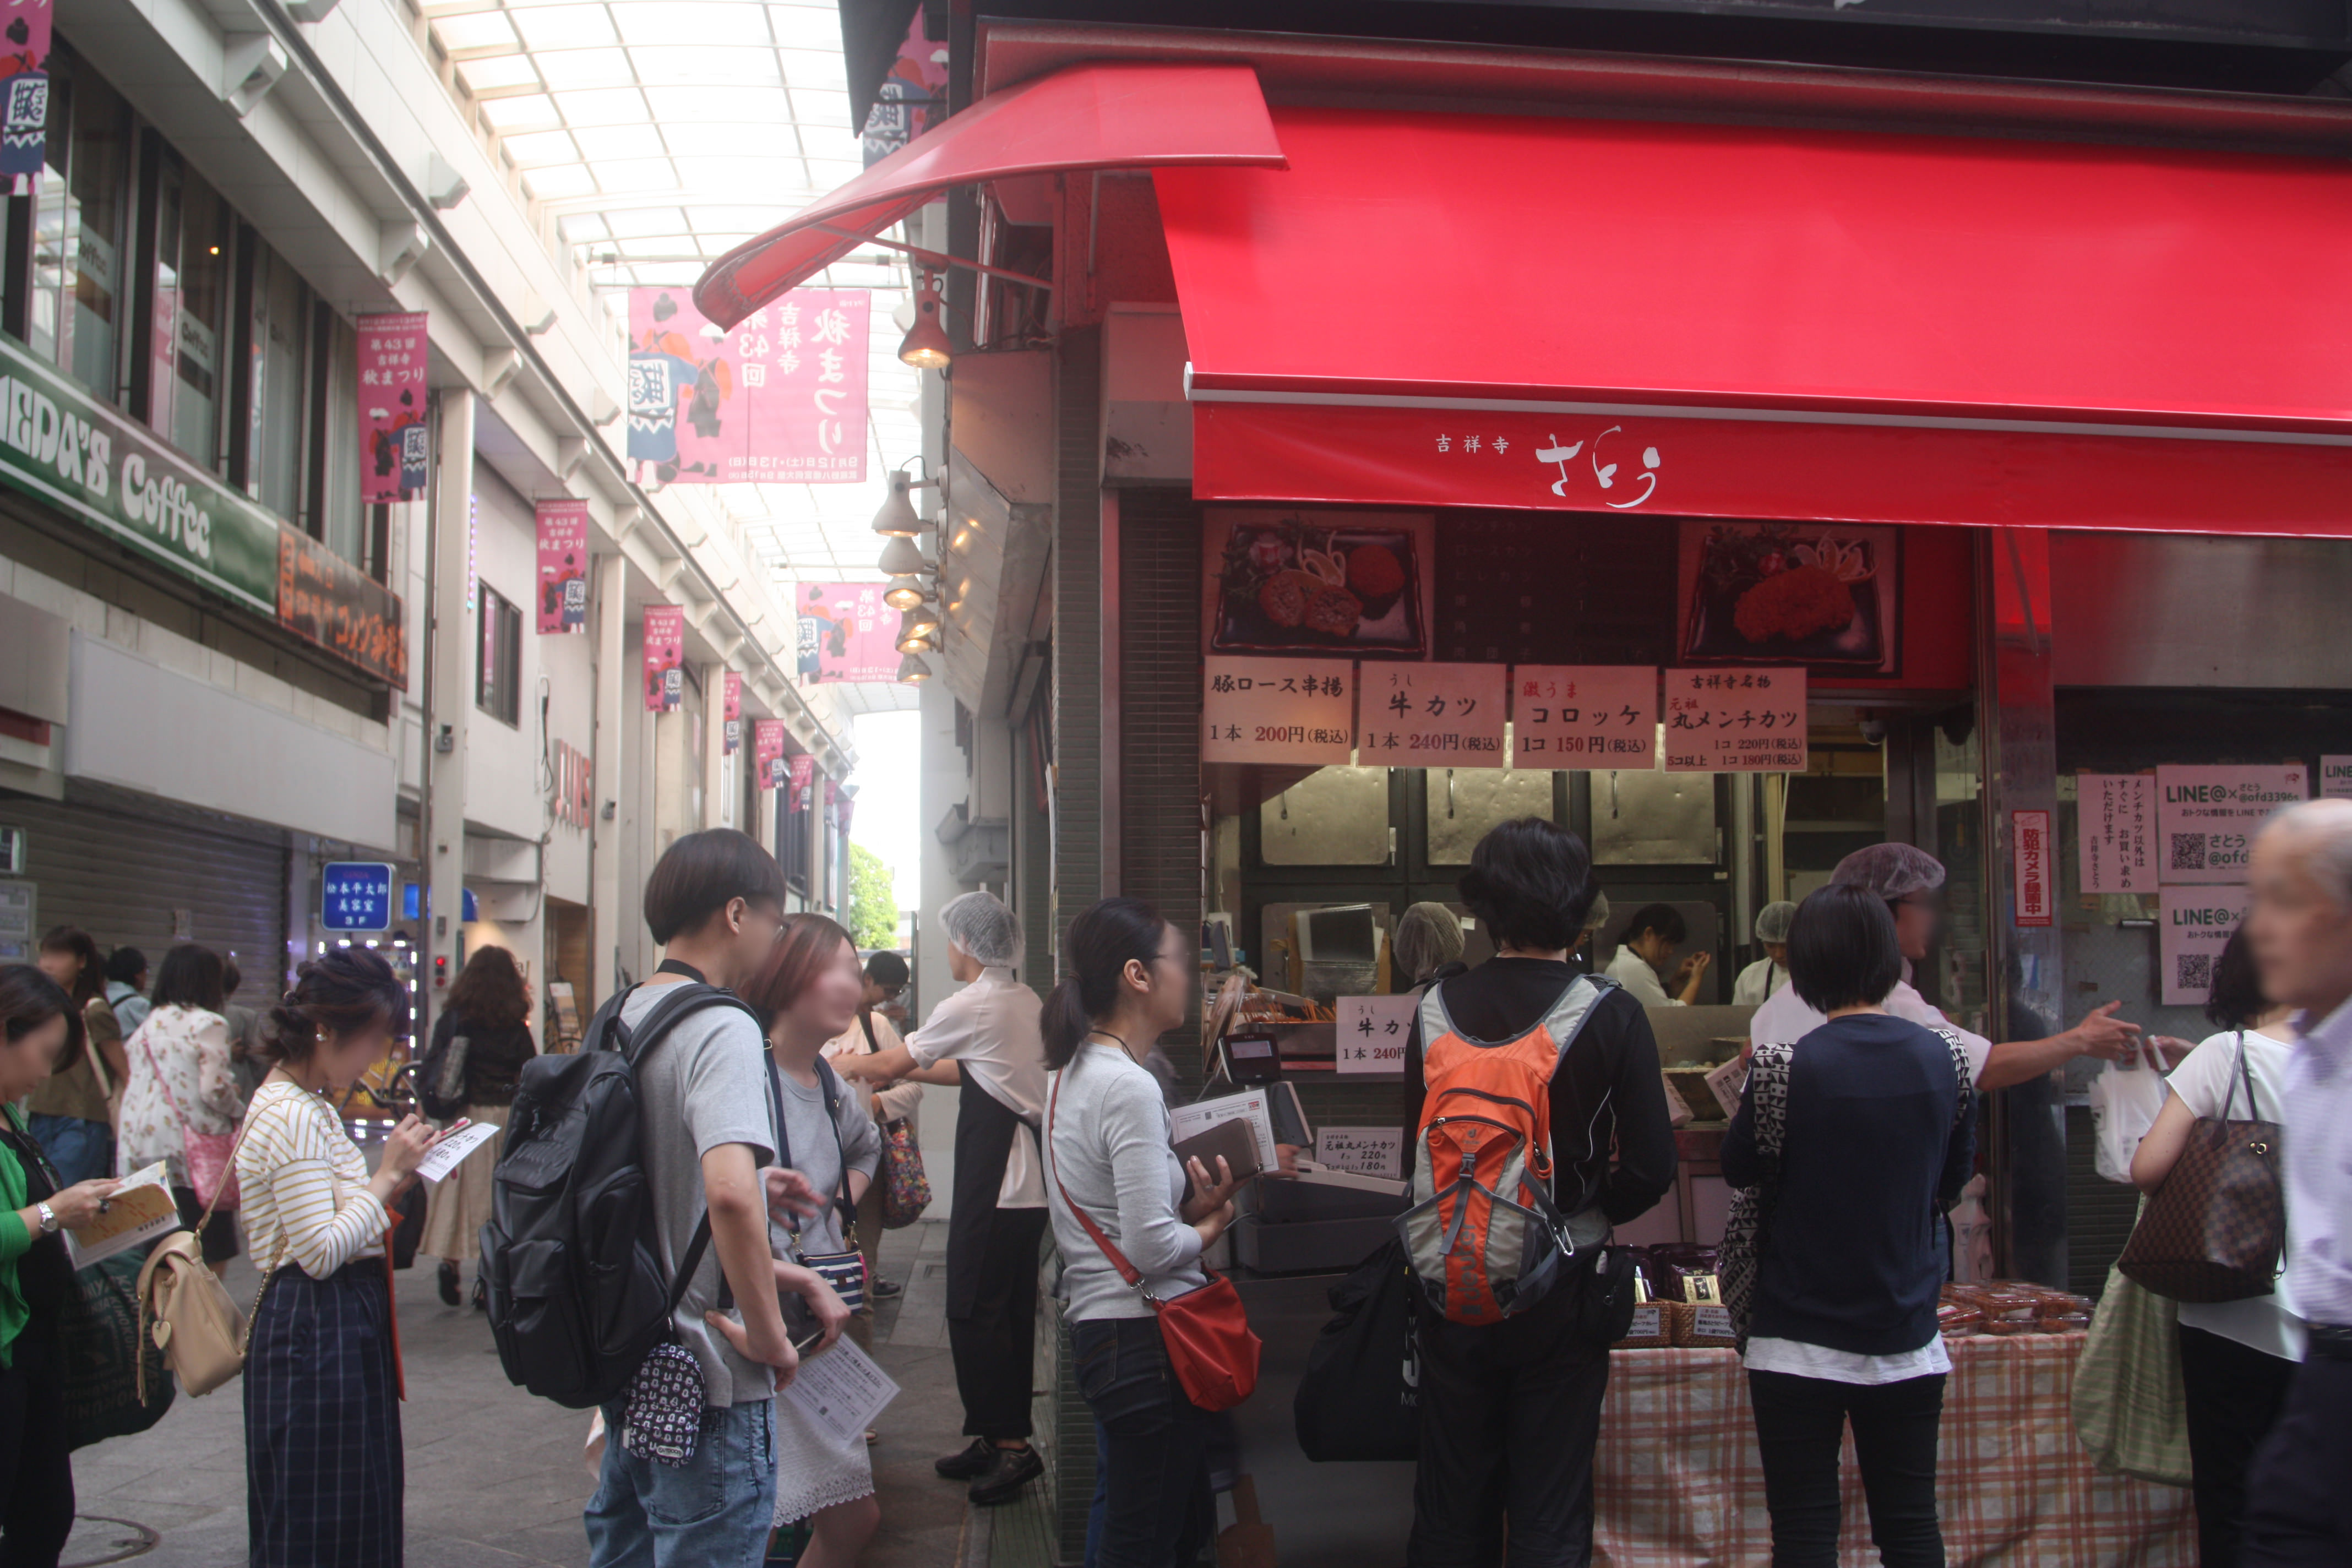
<point>80,229</point>
<point>498,672</point>
<point>336,517</point>
<point>280,323</point>
<point>192,288</point>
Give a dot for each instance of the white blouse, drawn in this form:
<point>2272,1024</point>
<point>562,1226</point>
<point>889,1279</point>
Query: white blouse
<point>305,1185</point>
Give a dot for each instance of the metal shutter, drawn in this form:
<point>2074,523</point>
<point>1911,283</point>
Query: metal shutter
<point>119,872</point>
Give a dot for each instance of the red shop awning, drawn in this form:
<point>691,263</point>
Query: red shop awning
<point>1460,309</point>
<point>1081,117</point>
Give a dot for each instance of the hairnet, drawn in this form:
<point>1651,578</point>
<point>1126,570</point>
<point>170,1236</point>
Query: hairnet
<point>1427,936</point>
<point>1597,915</point>
<point>979,923</point>
<point>1891,870</point>
<point>1773,921</point>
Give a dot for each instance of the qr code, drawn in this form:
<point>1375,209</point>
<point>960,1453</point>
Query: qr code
<point>2188,852</point>
<point>2192,970</point>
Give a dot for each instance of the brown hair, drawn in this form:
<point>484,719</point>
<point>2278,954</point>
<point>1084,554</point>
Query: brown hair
<point>91,981</point>
<point>347,989</point>
<point>807,945</point>
<point>491,990</point>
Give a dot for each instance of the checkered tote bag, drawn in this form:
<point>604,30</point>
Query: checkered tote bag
<point>2216,1229</point>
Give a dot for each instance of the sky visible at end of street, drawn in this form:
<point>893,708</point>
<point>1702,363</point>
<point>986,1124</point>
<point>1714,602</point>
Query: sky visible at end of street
<point>889,780</point>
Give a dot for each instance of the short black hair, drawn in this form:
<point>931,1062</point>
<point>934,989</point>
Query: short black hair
<point>191,977</point>
<point>700,873</point>
<point>126,964</point>
<point>1841,949</point>
<point>1530,880</point>
<point>1664,919</point>
<point>2236,999</point>
<point>887,969</point>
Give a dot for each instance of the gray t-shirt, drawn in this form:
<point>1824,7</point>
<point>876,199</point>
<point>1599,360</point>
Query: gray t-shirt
<point>701,1087</point>
<point>816,1154</point>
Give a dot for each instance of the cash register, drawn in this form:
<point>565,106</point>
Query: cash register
<point>1323,1218</point>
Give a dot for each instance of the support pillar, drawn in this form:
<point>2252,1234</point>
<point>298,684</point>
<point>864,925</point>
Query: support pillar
<point>615,681</point>
<point>451,628</point>
<point>714,744</point>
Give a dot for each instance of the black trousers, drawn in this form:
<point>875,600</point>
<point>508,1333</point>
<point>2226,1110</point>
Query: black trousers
<point>1799,1425</point>
<point>36,1493</point>
<point>1157,1511</point>
<point>2299,1491</point>
<point>1510,1414</point>
<point>995,1346</point>
<point>2234,1396</point>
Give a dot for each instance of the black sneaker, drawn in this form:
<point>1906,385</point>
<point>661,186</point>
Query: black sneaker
<point>965,1463</point>
<point>887,1289</point>
<point>1013,1468</point>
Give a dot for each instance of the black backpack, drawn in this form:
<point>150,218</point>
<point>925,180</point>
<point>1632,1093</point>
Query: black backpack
<point>576,1291</point>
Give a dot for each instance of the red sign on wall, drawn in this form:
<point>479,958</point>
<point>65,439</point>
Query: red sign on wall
<point>767,749</point>
<point>2030,851</point>
<point>562,564</point>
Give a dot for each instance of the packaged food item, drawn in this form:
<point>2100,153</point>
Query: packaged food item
<point>2065,1323</point>
<point>1652,1328</point>
<point>1708,1326</point>
<point>2010,1307</point>
<point>1959,1319</point>
<point>2011,1326</point>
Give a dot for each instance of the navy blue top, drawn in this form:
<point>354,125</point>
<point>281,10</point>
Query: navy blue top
<point>1870,1158</point>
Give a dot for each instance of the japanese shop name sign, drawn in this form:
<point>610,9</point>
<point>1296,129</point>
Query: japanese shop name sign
<point>2032,876</point>
<point>1584,716</point>
<point>2206,817</point>
<point>325,600</point>
<point>779,397</point>
<point>2114,823</point>
<point>1421,715</point>
<point>1372,1033</point>
<point>1736,720</point>
<point>1295,712</point>
<point>393,451</point>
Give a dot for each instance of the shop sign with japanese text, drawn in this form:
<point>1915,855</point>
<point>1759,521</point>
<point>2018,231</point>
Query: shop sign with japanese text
<point>665,658</point>
<point>1299,711</point>
<point>2206,817</point>
<point>324,599</point>
<point>1434,715</point>
<point>393,441</point>
<point>59,446</point>
<point>1372,1033</point>
<point>2197,926</point>
<point>767,751</point>
<point>2033,876</point>
<point>2115,822</point>
<point>1365,1150</point>
<point>780,397</point>
<point>731,710</point>
<point>563,526</point>
<point>1736,720</point>
<point>847,632</point>
<point>1584,716</point>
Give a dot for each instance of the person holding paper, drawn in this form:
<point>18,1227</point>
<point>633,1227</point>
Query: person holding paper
<point>43,1031</point>
<point>1108,1155</point>
<point>489,1009</point>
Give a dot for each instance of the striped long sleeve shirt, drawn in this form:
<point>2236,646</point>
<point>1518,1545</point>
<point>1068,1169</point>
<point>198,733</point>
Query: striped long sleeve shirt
<point>305,1185</point>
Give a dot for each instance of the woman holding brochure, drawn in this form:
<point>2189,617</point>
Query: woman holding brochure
<point>1108,1155</point>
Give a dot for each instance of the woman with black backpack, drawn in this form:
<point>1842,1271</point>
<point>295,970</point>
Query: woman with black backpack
<point>480,1043</point>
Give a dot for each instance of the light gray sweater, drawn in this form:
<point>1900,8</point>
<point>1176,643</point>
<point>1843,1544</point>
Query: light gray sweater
<point>1108,1150</point>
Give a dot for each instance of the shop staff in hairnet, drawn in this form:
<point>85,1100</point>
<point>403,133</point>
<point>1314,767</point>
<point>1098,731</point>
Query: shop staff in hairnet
<point>1765,977</point>
<point>1908,878</point>
<point>985,1039</point>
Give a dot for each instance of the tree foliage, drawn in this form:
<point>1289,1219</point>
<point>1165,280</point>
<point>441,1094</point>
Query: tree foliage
<point>873,900</point>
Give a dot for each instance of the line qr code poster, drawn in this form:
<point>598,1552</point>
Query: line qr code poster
<point>2207,817</point>
<point>2197,923</point>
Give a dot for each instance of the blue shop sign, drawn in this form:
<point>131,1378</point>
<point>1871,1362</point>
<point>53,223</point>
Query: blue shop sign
<point>355,895</point>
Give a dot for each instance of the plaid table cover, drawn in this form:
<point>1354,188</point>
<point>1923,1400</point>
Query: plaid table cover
<point>1677,1483</point>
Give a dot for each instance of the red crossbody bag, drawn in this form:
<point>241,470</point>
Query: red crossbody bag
<point>1206,1331</point>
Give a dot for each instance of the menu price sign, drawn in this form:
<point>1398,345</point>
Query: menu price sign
<point>1417,714</point>
<point>1365,1150</point>
<point>2206,817</point>
<point>2029,833</point>
<point>1585,715</point>
<point>1736,720</point>
<point>1295,712</point>
<point>1372,1033</point>
<point>2197,926</point>
<point>2115,822</point>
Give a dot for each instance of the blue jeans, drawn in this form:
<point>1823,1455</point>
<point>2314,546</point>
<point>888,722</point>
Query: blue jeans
<point>82,1151</point>
<point>713,1512</point>
<point>1157,1510</point>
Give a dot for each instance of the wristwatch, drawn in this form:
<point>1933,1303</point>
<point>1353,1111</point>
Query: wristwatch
<point>48,1218</point>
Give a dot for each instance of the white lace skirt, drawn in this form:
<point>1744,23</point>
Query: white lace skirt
<point>815,1470</point>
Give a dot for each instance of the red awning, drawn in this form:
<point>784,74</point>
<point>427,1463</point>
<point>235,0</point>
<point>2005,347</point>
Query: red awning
<point>1463,310</point>
<point>1082,117</point>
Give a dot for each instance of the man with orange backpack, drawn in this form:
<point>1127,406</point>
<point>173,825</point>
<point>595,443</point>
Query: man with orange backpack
<point>1520,1077</point>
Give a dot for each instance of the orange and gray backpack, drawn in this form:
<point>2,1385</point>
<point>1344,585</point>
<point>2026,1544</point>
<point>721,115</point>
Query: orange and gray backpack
<point>1483,1235</point>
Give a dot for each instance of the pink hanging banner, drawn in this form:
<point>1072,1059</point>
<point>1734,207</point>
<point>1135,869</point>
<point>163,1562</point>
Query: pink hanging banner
<point>394,443</point>
<point>767,749</point>
<point>732,710</point>
<point>780,397</point>
<point>25,93</point>
<point>665,657</point>
<point>804,770</point>
<point>847,632</point>
<point>562,565</point>
<point>843,810</point>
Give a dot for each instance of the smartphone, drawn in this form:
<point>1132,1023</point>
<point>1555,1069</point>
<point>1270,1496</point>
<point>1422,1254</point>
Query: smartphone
<point>803,1347</point>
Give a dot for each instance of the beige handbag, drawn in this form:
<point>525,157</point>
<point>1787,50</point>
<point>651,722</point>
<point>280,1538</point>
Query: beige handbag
<point>197,1325</point>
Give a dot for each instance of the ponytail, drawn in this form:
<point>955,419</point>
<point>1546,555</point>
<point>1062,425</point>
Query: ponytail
<point>1103,940</point>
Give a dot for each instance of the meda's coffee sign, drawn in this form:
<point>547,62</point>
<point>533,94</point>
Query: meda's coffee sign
<point>62,448</point>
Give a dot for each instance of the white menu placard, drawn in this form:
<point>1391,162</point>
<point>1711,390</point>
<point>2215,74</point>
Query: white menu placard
<point>2197,923</point>
<point>842,1390</point>
<point>451,1151</point>
<point>1433,715</point>
<point>1372,1033</point>
<point>1299,711</point>
<point>2115,829</point>
<point>2336,778</point>
<point>1584,716</point>
<point>2207,817</point>
<point>1736,720</point>
<point>1366,1151</point>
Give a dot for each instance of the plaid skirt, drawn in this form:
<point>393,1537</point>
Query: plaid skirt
<point>323,1466</point>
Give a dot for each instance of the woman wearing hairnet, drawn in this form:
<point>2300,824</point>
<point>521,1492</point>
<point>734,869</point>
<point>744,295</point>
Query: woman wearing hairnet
<point>985,1039</point>
<point>1909,879</point>
<point>1760,979</point>
<point>1427,944</point>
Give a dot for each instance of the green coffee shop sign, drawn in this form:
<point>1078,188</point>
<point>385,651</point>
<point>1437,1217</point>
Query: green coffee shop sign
<point>62,446</point>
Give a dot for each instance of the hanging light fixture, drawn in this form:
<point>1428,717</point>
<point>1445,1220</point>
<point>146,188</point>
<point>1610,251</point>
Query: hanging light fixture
<point>896,519</point>
<point>925,346</point>
<point>922,620</point>
<point>912,670</point>
<point>904,593</point>
<point>902,558</point>
<point>914,636</point>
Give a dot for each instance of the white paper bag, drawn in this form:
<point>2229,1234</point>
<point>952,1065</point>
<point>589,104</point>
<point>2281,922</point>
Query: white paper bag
<point>2125,1099</point>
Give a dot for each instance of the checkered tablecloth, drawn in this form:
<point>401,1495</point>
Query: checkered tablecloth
<point>1678,1484</point>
